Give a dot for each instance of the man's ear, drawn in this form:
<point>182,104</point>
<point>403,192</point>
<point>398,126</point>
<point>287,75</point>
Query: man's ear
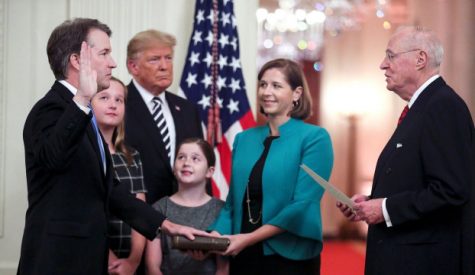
<point>132,66</point>
<point>421,62</point>
<point>74,60</point>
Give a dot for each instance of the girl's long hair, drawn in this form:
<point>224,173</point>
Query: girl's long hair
<point>119,132</point>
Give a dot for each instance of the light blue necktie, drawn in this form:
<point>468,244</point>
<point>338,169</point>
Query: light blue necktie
<point>99,140</point>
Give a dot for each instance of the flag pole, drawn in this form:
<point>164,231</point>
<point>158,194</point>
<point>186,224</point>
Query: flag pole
<point>214,134</point>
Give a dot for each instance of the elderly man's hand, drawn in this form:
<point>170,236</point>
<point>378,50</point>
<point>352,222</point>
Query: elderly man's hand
<point>347,211</point>
<point>370,211</point>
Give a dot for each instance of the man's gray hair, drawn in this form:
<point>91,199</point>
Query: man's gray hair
<point>425,39</point>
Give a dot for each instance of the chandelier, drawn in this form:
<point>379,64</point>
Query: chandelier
<point>296,28</point>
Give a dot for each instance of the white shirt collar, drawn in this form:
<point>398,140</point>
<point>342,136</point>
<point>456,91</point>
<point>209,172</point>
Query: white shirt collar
<point>147,95</point>
<point>68,85</point>
<point>73,90</point>
<point>422,88</point>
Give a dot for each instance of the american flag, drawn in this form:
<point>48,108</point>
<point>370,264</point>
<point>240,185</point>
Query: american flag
<point>213,77</point>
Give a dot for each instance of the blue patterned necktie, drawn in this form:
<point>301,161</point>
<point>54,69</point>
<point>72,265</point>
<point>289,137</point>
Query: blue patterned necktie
<point>99,140</point>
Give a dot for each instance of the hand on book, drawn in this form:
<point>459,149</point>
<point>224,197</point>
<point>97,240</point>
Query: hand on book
<point>174,229</point>
<point>238,243</point>
<point>200,243</point>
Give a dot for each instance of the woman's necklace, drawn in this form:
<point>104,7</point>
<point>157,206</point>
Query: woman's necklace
<point>248,201</point>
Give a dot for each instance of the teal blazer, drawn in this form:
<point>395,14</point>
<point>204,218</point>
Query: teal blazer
<point>291,199</point>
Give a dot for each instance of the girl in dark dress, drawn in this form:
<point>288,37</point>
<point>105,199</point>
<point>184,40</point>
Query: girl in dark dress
<point>191,206</point>
<point>126,246</point>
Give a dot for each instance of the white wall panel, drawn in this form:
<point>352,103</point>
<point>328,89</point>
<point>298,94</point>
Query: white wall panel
<point>3,28</point>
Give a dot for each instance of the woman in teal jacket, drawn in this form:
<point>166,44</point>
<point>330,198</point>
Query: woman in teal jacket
<point>272,213</point>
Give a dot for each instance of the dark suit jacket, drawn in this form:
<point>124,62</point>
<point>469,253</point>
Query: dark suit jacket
<point>142,133</point>
<point>425,173</point>
<point>69,196</point>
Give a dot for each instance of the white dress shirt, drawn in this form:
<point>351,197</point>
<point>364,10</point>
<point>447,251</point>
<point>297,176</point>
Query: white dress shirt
<point>419,90</point>
<point>148,99</point>
<point>86,110</point>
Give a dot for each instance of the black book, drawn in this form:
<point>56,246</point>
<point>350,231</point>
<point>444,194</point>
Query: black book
<point>200,243</point>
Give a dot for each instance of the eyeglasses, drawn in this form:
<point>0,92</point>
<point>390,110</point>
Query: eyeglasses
<point>391,56</point>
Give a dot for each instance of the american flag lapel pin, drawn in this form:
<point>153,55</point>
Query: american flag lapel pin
<point>398,145</point>
<point>177,108</point>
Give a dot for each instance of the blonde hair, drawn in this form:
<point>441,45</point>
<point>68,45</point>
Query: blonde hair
<point>146,39</point>
<point>118,136</point>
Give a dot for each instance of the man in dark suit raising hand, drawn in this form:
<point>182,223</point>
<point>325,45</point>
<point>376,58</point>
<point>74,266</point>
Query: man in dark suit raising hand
<point>71,191</point>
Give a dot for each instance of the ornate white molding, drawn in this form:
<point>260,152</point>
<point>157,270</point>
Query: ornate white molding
<point>3,28</point>
<point>124,17</point>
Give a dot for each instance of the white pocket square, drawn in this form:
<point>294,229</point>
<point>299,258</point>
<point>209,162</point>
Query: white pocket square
<point>398,145</point>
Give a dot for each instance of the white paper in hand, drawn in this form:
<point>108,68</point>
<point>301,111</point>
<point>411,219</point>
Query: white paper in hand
<point>335,192</point>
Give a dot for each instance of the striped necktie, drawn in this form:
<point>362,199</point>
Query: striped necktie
<point>157,114</point>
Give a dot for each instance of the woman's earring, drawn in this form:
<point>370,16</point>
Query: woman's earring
<point>295,103</point>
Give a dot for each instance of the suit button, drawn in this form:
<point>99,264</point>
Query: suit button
<point>389,170</point>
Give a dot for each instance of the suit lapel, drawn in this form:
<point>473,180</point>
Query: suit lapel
<point>177,115</point>
<point>63,92</point>
<point>139,110</point>
<point>67,96</point>
<point>91,134</point>
<point>384,157</point>
<point>396,142</point>
<point>93,140</point>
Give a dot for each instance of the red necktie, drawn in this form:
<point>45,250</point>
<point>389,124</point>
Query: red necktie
<point>403,114</point>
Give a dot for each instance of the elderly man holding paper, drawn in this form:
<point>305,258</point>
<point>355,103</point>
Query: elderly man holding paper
<point>421,208</point>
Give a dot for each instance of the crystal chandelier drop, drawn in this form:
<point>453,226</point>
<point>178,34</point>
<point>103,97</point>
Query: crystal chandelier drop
<point>296,28</point>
